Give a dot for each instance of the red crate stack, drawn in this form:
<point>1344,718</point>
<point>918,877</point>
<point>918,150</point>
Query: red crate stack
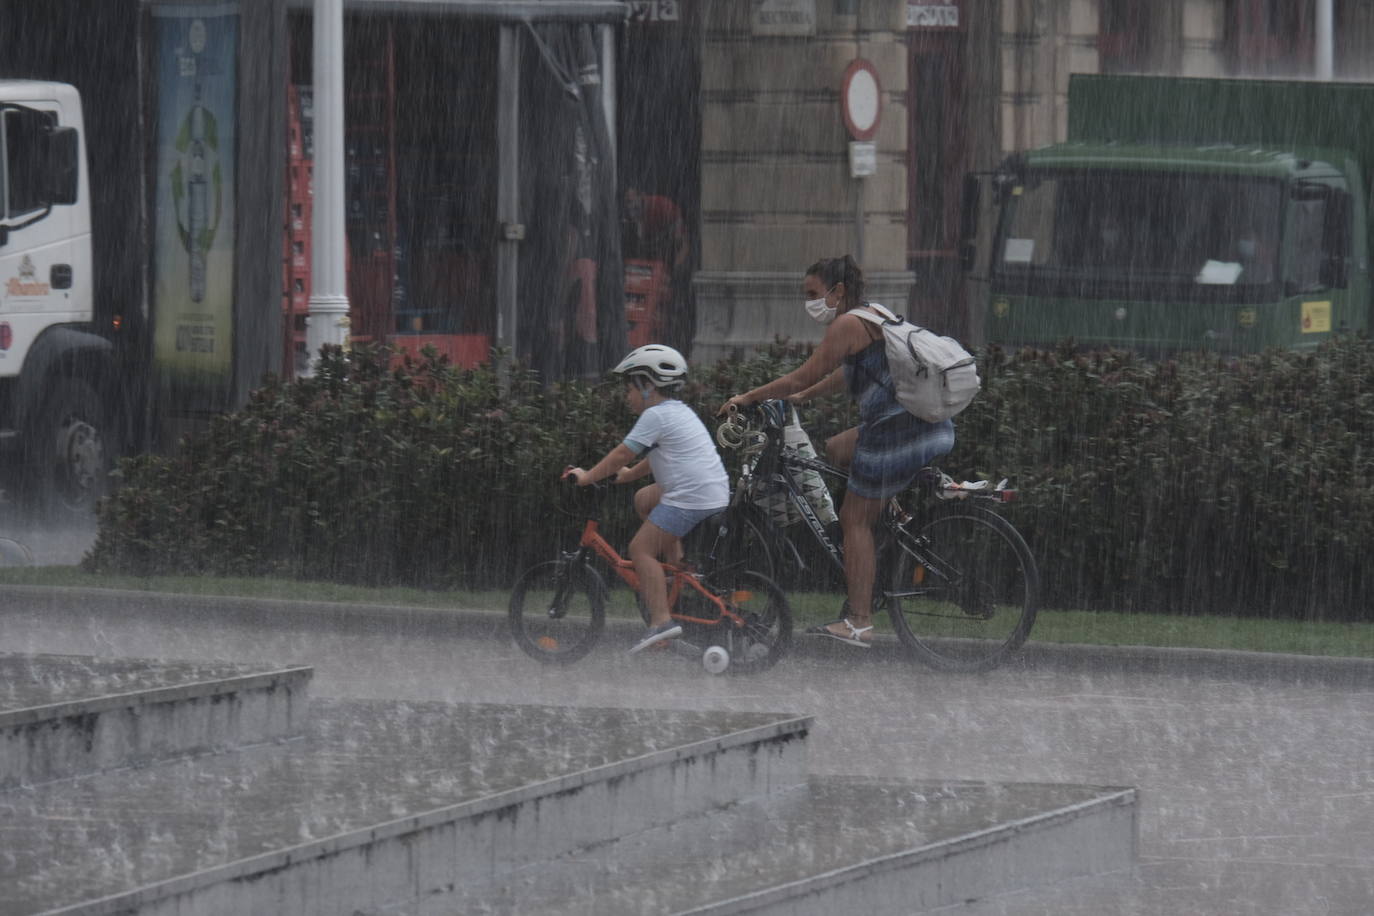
<point>296,276</point>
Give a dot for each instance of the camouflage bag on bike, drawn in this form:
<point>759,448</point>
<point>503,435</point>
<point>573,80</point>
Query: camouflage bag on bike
<point>774,500</point>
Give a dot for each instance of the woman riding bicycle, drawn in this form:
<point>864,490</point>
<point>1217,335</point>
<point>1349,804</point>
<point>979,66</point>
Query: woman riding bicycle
<point>883,453</point>
<point>690,481</point>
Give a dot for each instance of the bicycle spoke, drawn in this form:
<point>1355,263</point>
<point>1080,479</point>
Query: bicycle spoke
<point>556,612</point>
<point>767,631</point>
<point>962,595</point>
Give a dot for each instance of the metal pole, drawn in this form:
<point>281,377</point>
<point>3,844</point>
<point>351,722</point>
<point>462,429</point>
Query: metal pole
<point>508,193</point>
<point>327,322</point>
<point>1325,51</point>
<point>860,218</point>
<point>608,88</point>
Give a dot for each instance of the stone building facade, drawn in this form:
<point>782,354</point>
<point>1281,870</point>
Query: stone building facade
<point>964,82</point>
<point>776,187</point>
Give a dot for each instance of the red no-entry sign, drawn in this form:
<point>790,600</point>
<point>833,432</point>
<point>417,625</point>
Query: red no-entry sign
<point>861,99</point>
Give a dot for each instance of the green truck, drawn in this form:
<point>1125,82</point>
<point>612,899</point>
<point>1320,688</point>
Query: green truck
<point>1184,213</point>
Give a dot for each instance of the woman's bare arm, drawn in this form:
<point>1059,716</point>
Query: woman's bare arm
<point>845,335</point>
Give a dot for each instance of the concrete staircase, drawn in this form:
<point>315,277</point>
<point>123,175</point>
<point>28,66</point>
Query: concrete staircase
<point>131,787</point>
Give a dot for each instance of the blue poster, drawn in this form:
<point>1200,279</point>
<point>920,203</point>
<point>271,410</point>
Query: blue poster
<point>195,51</point>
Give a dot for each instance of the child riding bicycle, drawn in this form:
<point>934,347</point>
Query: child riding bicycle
<point>690,485</point>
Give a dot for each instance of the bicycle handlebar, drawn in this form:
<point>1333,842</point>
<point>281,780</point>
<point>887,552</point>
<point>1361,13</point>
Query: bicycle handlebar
<point>566,477</point>
<point>586,497</point>
<point>745,425</point>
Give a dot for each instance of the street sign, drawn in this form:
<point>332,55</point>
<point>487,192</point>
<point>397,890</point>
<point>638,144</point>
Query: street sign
<point>863,158</point>
<point>861,99</point>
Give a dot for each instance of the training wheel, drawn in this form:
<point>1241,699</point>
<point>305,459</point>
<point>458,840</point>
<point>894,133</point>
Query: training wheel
<point>715,659</point>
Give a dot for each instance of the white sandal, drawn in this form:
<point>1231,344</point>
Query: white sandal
<point>853,638</point>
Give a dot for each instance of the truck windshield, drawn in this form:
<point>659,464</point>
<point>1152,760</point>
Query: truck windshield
<point>1142,235</point>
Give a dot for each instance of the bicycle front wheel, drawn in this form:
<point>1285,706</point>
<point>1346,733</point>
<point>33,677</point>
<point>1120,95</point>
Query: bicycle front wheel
<point>557,611</point>
<point>963,588</point>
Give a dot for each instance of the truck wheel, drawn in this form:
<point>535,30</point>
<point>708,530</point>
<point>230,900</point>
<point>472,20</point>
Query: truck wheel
<point>71,453</point>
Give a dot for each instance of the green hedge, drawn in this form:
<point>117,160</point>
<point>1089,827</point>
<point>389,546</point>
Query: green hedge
<point>1193,485</point>
<point>1199,484</point>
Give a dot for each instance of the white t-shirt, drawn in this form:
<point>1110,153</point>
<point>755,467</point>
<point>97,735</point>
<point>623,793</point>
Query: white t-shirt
<point>683,457</point>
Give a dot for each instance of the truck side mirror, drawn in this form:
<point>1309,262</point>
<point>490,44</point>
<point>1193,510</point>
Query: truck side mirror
<point>968,222</point>
<point>64,159</point>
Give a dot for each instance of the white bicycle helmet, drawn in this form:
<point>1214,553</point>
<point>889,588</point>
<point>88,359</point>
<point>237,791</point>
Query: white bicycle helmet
<point>662,366</point>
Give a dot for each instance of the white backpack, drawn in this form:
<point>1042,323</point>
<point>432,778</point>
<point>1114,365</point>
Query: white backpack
<point>933,377</point>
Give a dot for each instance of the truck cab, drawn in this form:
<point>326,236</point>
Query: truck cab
<point>1184,213</point>
<point>55,370</point>
<point>1159,248</point>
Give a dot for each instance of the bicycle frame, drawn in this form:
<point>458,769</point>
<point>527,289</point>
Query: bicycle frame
<point>803,506</point>
<point>677,576</point>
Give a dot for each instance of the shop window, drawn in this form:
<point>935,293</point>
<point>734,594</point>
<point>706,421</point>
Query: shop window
<point>1270,37</point>
<point>1123,36</point>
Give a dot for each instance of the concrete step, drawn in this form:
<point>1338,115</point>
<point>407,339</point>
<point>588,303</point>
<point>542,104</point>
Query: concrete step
<point>429,808</point>
<point>380,807</point>
<point>63,716</point>
<point>836,845</point>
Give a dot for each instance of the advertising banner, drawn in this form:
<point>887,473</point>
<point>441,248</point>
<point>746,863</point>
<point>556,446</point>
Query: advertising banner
<point>195,50</point>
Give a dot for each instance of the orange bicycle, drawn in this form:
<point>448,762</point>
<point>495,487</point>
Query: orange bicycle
<point>735,618</point>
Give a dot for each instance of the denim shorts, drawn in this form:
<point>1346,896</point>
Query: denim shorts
<point>678,522</point>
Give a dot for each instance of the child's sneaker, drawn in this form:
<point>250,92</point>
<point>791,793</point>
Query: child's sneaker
<point>670,630</point>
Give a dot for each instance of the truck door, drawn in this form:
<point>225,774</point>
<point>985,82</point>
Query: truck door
<point>38,272</point>
<point>1316,263</point>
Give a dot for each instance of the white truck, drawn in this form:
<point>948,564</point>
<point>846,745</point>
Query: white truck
<point>59,370</point>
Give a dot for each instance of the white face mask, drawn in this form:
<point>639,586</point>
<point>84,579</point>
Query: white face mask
<point>818,310</point>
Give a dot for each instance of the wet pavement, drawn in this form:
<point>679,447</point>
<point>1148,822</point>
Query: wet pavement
<point>1256,784</point>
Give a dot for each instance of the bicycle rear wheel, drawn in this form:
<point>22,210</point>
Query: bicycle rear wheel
<point>748,544</point>
<point>557,611</point>
<point>962,589</point>
<point>767,632</point>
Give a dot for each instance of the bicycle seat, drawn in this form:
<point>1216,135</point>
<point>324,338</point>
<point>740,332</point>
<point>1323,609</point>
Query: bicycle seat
<point>699,541</point>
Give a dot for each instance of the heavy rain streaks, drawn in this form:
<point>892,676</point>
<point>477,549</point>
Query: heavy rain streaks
<point>1251,799</point>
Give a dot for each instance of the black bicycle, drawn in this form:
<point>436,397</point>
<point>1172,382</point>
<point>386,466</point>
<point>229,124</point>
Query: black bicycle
<point>956,579</point>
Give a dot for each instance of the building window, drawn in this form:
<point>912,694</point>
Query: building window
<point>1270,37</point>
<point>1123,35</point>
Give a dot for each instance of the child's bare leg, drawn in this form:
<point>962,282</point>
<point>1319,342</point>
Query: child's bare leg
<point>648,544</point>
<point>645,500</point>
